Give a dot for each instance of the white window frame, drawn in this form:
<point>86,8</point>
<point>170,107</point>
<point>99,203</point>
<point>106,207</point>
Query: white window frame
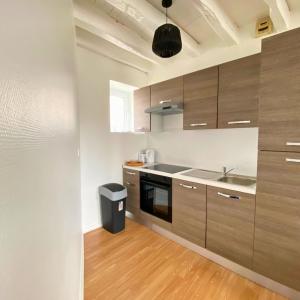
<point>125,92</point>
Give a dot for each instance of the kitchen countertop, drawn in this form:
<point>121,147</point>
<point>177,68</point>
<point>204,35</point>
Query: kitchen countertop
<point>206,180</point>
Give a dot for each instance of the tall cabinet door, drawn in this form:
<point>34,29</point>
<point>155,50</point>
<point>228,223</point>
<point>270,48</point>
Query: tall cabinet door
<point>277,221</point>
<point>238,93</point>
<point>169,91</point>
<point>279,105</point>
<point>200,99</point>
<point>141,102</point>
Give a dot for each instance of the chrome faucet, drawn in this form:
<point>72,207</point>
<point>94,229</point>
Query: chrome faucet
<point>225,171</point>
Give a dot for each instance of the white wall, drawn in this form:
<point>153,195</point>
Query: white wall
<point>102,152</point>
<point>206,149</point>
<point>40,232</point>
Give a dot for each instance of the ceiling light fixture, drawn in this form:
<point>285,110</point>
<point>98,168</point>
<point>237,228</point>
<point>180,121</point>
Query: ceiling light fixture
<point>167,38</point>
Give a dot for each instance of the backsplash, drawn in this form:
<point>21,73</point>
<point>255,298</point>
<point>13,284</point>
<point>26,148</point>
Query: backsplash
<point>208,149</point>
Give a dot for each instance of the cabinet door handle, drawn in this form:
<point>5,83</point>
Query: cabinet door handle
<point>188,186</point>
<point>292,144</point>
<point>239,122</point>
<point>165,101</point>
<point>130,173</point>
<point>129,184</point>
<point>198,124</point>
<point>229,196</point>
<point>293,160</point>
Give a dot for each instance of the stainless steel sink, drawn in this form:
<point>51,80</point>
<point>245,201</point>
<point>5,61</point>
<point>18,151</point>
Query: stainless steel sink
<point>218,176</point>
<point>203,174</point>
<point>237,180</point>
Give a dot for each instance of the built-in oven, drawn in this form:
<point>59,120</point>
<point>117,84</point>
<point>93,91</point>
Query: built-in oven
<point>156,195</point>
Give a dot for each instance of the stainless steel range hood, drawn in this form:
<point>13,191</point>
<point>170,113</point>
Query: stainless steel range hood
<point>165,109</point>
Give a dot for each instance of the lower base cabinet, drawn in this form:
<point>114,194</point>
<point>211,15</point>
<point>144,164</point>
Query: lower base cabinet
<point>230,224</point>
<point>189,211</point>
<point>131,179</point>
<point>222,220</point>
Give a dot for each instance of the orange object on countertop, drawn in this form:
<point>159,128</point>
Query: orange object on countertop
<point>134,163</point>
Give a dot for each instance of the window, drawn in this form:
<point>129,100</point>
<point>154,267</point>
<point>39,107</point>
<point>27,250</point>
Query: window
<point>121,107</point>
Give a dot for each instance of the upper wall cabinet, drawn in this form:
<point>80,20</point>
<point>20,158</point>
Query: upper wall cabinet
<point>141,102</point>
<point>279,106</point>
<point>170,91</point>
<point>201,99</point>
<point>238,93</point>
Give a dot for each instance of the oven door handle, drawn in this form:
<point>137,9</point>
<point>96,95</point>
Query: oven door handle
<point>156,184</point>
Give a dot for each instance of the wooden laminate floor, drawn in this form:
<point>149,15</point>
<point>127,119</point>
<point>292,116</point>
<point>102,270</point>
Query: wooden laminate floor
<point>140,264</point>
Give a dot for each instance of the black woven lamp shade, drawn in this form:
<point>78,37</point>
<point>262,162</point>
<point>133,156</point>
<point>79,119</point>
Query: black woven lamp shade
<point>167,41</point>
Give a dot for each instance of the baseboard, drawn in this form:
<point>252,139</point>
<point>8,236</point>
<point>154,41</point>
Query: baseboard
<point>247,273</point>
<point>91,228</point>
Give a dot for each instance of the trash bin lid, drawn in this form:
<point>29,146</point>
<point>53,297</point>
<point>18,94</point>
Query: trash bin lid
<point>113,191</point>
<point>114,187</point>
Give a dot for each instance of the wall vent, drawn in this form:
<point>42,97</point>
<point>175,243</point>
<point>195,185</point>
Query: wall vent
<point>264,27</point>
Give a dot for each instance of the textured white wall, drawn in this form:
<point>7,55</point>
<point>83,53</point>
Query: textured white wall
<point>40,222</point>
<point>102,152</point>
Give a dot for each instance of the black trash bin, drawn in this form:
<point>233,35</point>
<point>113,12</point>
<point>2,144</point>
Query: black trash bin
<point>113,206</point>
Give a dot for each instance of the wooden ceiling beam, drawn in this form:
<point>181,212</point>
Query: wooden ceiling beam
<point>91,42</point>
<point>279,13</point>
<point>88,17</point>
<point>218,20</point>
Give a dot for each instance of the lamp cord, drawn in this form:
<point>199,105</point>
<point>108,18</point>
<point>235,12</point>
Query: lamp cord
<point>166,15</point>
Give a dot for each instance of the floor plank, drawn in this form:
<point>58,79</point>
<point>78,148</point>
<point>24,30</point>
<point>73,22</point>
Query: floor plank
<point>140,264</point>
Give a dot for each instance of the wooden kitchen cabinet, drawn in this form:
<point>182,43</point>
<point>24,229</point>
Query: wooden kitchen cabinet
<point>200,99</point>
<point>170,91</point>
<point>142,120</point>
<point>279,105</point>
<point>189,211</point>
<point>131,179</point>
<point>230,224</point>
<point>277,221</point>
<point>239,82</point>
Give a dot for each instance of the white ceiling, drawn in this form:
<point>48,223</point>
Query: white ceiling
<point>122,17</point>
<point>294,4</point>
<point>204,24</point>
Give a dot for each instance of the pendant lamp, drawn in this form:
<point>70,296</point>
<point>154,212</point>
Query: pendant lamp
<point>167,38</point>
